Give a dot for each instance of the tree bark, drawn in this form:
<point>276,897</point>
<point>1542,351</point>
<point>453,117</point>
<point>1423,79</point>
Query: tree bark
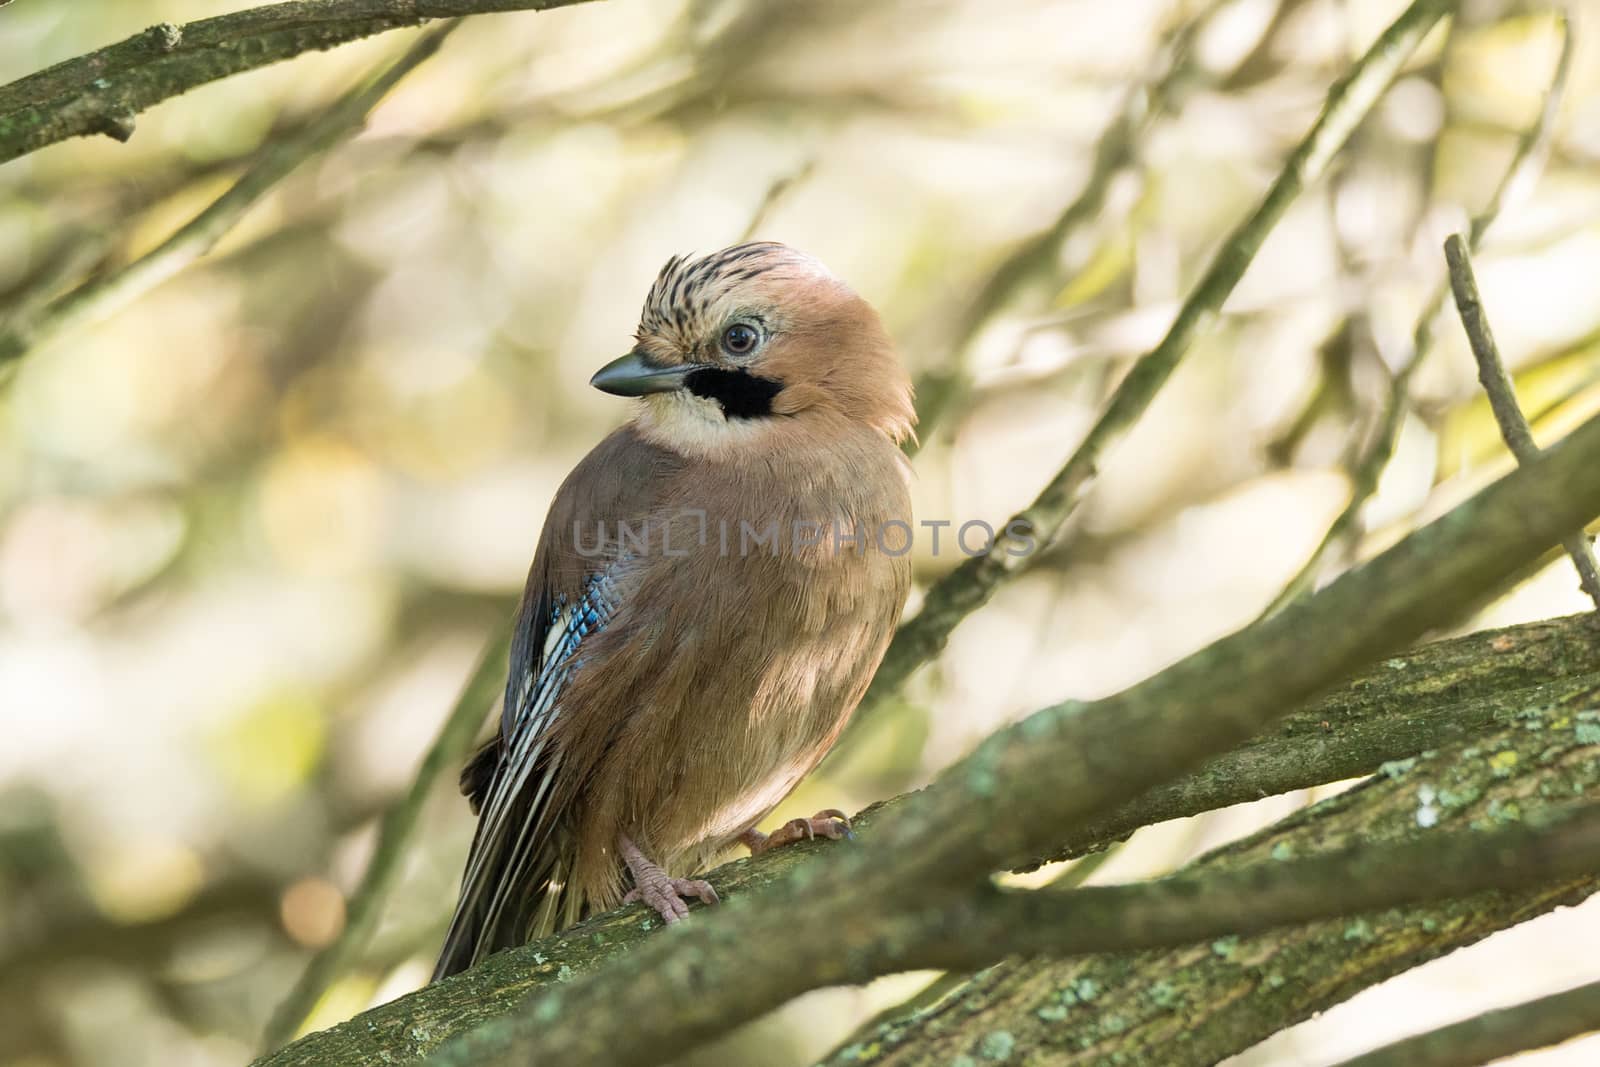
<point>1195,1006</point>
<point>1445,693</point>
<point>104,91</point>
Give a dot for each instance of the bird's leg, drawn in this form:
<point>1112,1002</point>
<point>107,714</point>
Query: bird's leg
<point>829,822</point>
<point>657,888</point>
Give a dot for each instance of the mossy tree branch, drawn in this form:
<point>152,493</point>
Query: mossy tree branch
<point>1199,905</point>
<point>104,91</point>
<point>1438,694</point>
<point>1062,765</point>
<point>1012,798</point>
<point>1448,691</point>
<point>1198,1005</point>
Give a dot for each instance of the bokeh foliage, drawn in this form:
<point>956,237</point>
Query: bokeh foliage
<point>255,526</point>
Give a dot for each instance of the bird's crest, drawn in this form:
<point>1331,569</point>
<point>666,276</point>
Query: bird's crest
<point>686,288</point>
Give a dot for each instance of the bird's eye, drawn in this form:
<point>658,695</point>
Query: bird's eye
<point>739,339</point>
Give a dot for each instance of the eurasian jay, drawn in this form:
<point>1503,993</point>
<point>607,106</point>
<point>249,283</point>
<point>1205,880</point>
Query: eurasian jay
<point>714,586</point>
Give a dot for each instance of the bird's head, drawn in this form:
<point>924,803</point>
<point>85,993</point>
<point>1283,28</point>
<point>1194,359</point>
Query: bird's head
<point>749,339</point>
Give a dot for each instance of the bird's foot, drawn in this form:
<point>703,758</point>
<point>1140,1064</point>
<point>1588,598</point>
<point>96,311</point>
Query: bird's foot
<point>829,822</point>
<point>666,894</point>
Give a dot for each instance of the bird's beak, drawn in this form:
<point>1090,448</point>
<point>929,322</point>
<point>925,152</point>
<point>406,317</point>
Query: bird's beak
<point>634,375</point>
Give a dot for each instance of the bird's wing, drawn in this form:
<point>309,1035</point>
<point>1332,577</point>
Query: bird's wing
<point>571,595</point>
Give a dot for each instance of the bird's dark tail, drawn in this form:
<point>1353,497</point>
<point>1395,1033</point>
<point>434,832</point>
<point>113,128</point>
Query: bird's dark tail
<point>551,903</point>
<point>517,884</point>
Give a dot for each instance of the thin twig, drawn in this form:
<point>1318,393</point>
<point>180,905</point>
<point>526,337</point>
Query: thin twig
<point>1497,384</point>
<point>394,835</point>
<point>1495,1034</point>
<point>1503,395</point>
<point>100,296</point>
<point>970,585</point>
<point>1533,146</point>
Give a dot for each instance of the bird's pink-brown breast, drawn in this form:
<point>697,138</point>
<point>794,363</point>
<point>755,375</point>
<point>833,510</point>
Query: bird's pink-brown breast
<point>728,672</point>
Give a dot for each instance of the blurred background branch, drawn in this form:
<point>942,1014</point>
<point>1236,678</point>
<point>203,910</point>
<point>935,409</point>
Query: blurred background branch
<point>443,758</point>
<point>974,582</point>
<point>105,293</point>
<point>1036,262</point>
<point>1372,459</point>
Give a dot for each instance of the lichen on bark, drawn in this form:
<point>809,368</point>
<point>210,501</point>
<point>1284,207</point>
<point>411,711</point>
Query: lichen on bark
<point>1426,698</point>
<point>1194,1006</point>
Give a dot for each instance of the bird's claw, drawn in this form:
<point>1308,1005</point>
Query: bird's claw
<point>668,895</point>
<point>829,822</point>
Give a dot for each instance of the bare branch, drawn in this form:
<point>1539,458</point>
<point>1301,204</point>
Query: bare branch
<point>1191,907</point>
<point>104,91</point>
<point>1503,395</point>
<point>1495,1034</point>
<point>970,585</point>
<point>1527,161</point>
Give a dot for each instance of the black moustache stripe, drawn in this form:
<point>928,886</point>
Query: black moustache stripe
<point>742,395</point>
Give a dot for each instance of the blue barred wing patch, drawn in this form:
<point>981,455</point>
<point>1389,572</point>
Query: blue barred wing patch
<point>499,869</point>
